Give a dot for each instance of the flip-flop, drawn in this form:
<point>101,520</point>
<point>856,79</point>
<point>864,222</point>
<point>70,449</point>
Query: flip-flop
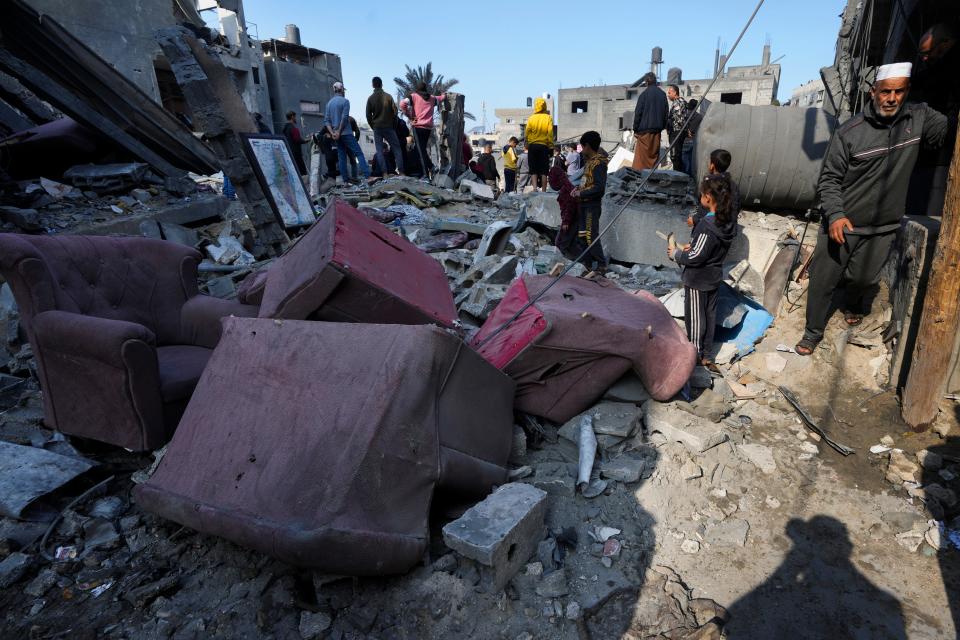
<point>852,319</point>
<point>806,347</point>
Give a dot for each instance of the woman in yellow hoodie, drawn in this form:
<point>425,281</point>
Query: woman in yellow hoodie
<point>539,135</point>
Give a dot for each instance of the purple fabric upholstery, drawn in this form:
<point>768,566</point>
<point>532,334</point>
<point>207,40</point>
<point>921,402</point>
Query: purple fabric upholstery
<point>180,368</point>
<point>119,331</point>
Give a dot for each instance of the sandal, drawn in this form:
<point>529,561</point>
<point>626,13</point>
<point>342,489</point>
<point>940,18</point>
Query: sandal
<point>852,319</point>
<point>806,347</point>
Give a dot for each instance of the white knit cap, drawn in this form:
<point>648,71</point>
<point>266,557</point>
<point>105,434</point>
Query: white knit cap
<point>338,86</point>
<point>896,70</point>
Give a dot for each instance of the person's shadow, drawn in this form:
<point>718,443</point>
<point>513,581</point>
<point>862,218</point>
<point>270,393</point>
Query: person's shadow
<point>816,593</point>
<point>948,557</point>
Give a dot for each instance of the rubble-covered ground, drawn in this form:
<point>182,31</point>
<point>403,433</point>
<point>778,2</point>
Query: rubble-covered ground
<point>721,517</point>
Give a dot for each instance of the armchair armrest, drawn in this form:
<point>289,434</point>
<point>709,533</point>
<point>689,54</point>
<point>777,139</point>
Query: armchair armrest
<point>88,336</point>
<point>200,318</point>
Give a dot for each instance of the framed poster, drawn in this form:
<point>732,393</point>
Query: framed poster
<point>272,161</point>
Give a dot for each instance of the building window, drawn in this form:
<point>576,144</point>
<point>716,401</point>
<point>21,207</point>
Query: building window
<point>578,107</point>
<point>509,120</point>
<point>256,74</point>
<point>620,124</point>
<point>309,107</point>
<point>731,98</point>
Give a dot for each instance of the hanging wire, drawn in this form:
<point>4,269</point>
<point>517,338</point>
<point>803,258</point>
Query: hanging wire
<point>636,192</point>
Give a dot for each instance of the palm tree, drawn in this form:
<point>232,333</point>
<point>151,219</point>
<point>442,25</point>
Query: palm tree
<point>436,85</point>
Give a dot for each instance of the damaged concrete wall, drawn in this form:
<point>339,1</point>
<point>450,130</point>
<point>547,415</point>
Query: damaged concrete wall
<point>291,84</point>
<point>119,31</point>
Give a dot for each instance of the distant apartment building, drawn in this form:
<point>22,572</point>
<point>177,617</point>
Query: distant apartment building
<point>809,94</point>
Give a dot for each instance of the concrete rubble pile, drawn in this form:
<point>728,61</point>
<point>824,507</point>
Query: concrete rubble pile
<point>543,525</point>
<point>369,421</point>
<point>521,540</point>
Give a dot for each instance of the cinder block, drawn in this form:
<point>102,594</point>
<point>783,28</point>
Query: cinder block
<point>500,533</point>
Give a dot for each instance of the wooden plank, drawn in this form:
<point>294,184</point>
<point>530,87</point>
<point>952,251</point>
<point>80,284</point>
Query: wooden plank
<point>941,315</point>
<point>220,113</point>
<point>77,109</point>
<point>907,279</point>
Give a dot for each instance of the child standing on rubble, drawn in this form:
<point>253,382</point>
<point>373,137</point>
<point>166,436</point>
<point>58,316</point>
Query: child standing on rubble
<point>702,263</point>
<point>590,197</point>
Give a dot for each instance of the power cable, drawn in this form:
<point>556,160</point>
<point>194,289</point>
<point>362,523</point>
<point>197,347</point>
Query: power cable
<point>636,192</point>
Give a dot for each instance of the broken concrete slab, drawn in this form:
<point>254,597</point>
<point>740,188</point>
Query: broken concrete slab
<point>542,208</point>
<point>480,300</point>
<point>495,239</point>
<point>629,388</point>
<point>761,456</point>
<point>625,468</point>
<point>678,425</point>
<point>14,567</point>
<point>729,533</point>
<point>179,234</point>
<point>709,405</point>
<point>477,189</point>
<point>619,419</point>
<point>489,270</point>
<point>902,469</point>
<point>743,277</point>
<point>501,532</point>
<point>27,473</point>
<point>197,211</point>
<point>107,178</point>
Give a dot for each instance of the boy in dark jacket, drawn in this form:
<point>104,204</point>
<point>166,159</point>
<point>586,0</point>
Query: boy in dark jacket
<point>488,165</point>
<point>590,197</point>
<point>702,262</point>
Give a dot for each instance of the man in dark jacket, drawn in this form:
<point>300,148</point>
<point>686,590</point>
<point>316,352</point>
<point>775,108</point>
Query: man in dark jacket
<point>649,119</point>
<point>863,191</point>
<point>381,113</point>
<point>292,133</point>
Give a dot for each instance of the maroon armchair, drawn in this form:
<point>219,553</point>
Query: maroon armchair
<point>118,329</point>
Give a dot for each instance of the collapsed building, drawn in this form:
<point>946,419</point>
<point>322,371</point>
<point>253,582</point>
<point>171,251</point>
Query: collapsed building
<point>408,378</point>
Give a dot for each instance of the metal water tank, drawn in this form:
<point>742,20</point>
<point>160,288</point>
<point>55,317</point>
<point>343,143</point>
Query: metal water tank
<point>293,34</point>
<point>675,75</point>
<point>777,151</point>
<point>657,56</point>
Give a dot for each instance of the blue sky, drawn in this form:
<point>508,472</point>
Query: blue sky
<point>503,52</point>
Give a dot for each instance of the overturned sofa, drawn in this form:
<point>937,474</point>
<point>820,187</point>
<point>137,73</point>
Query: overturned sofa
<point>349,268</point>
<point>578,339</point>
<point>322,444</point>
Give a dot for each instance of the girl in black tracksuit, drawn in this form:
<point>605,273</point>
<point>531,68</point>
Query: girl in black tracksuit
<point>702,262</point>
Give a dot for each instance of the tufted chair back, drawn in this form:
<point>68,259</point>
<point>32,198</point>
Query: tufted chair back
<point>134,279</point>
